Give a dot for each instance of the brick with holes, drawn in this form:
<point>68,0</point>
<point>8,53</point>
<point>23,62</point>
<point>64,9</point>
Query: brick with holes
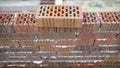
<point>25,22</point>
<point>59,16</point>
<point>91,22</point>
<point>6,22</point>
<point>110,21</point>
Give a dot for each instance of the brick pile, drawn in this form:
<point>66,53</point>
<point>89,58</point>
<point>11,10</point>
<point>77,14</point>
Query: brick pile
<point>56,30</point>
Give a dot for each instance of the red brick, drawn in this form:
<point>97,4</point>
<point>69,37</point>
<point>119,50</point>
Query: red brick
<point>26,22</point>
<point>58,14</point>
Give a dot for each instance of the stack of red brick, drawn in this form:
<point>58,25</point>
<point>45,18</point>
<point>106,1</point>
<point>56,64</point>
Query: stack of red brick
<point>92,27</point>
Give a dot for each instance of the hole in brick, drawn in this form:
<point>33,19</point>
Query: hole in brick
<point>50,14</point>
<point>66,14</point>
<point>109,17</point>
<point>51,10</point>
<point>66,10</point>
<point>70,12</point>
<point>19,15</point>
<point>107,20</point>
<point>62,12</point>
<point>114,20</point>
<point>105,15</point>
<point>20,21</point>
<point>62,7</point>
<point>32,15</point>
<point>5,22</point>
<point>34,21</point>
<point>69,7</point>
<point>84,16</point>
<point>58,14</point>
<point>90,15</point>
<point>17,19</point>
<point>55,7</point>
<point>74,15</point>
<point>85,20</point>
<point>95,18</point>
<point>117,17</point>
<point>44,9</point>
<point>77,8</point>
<point>58,9</point>
<point>77,12</point>
<point>48,7</point>
<point>25,15</point>
<point>7,17</point>
<point>55,11</point>
<point>31,19</point>
<point>73,10</point>
<point>11,15</point>
<point>94,14</point>
<point>0,17</point>
<point>47,11</point>
<point>24,19</point>
<point>42,14</point>
<point>40,11</point>
<point>92,20</point>
<point>102,17</point>
<point>101,14</point>
<point>41,7</point>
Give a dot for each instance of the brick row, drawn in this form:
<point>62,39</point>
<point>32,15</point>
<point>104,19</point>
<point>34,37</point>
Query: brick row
<point>59,16</point>
<point>77,49</point>
<point>51,35</point>
<point>48,43</point>
<point>104,64</point>
<point>106,42</point>
<point>90,19</point>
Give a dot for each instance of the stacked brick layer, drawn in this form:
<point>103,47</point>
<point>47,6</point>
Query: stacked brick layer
<point>98,38</point>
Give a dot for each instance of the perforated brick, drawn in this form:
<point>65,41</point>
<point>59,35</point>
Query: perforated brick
<point>6,22</point>
<point>59,16</point>
<point>110,21</point>
<point>91,22</point>
<point>25,22</point>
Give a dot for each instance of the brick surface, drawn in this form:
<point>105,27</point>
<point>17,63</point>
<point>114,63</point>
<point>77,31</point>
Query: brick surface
<point>59,16</point>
